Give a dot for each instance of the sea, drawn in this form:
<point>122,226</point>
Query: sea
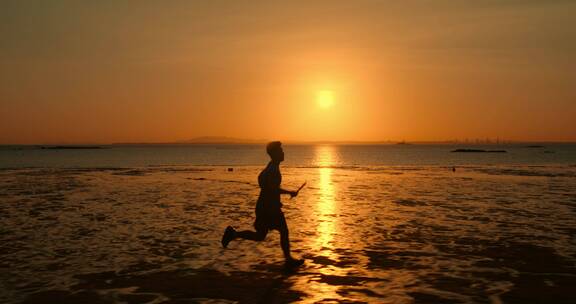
<point>398,223</point>
<point>296,155</point>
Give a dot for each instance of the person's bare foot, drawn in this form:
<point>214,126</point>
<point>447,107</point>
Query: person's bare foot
<point>293,263</point>
<point>228,236</point>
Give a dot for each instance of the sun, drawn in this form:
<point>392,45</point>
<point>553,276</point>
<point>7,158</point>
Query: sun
<point>325,99</point>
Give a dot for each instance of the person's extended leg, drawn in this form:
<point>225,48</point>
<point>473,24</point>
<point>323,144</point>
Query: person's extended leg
<point>231,234</point>
<point>258,235</point>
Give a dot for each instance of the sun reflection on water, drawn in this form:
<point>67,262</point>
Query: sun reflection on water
<point>323,245</point>
<point>326,207</point>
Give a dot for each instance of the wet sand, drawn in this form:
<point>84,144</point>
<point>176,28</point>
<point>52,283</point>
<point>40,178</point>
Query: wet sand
<point>483,234</point>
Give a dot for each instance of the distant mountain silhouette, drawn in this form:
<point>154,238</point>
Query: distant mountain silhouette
<point>222,140</point>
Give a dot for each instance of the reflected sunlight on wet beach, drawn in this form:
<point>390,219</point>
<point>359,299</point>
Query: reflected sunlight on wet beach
<point>375,234</point>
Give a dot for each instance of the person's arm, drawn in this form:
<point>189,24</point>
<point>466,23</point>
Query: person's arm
<point>292,193</point>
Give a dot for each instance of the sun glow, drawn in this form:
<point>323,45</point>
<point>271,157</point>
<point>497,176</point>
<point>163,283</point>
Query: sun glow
<point>325,99</point>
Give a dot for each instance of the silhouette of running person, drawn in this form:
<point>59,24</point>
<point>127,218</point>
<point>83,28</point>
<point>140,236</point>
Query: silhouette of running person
<point>269,215</point>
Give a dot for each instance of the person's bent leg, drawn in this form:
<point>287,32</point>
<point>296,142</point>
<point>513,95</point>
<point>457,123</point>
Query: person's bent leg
<point>258,235</point>
<point>231,234</point>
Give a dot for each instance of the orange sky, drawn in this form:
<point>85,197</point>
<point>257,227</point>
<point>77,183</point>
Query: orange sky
<point>155,71</point>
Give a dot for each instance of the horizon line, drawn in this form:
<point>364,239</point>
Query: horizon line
<point>288,142</point>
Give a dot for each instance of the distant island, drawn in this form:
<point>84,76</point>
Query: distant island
<point>478,151</point>
<point>70,147</point>
<point>204,140</point>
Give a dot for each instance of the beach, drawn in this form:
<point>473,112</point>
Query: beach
<point>369,234</point>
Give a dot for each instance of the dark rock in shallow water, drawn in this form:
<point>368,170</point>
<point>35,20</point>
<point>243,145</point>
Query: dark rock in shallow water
<point>478,151</point>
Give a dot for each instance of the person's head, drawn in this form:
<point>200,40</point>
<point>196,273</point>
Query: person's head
<point>274,149</point>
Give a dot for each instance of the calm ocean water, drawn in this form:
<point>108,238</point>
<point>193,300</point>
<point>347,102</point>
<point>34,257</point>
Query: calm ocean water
<point>296,155</point>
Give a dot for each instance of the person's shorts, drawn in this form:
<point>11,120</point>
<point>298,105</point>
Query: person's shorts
<point>270,221</point>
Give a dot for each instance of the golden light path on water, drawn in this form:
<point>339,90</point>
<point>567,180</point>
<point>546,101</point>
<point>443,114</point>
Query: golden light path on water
<point>325,208</point>
<point>325,216</point>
